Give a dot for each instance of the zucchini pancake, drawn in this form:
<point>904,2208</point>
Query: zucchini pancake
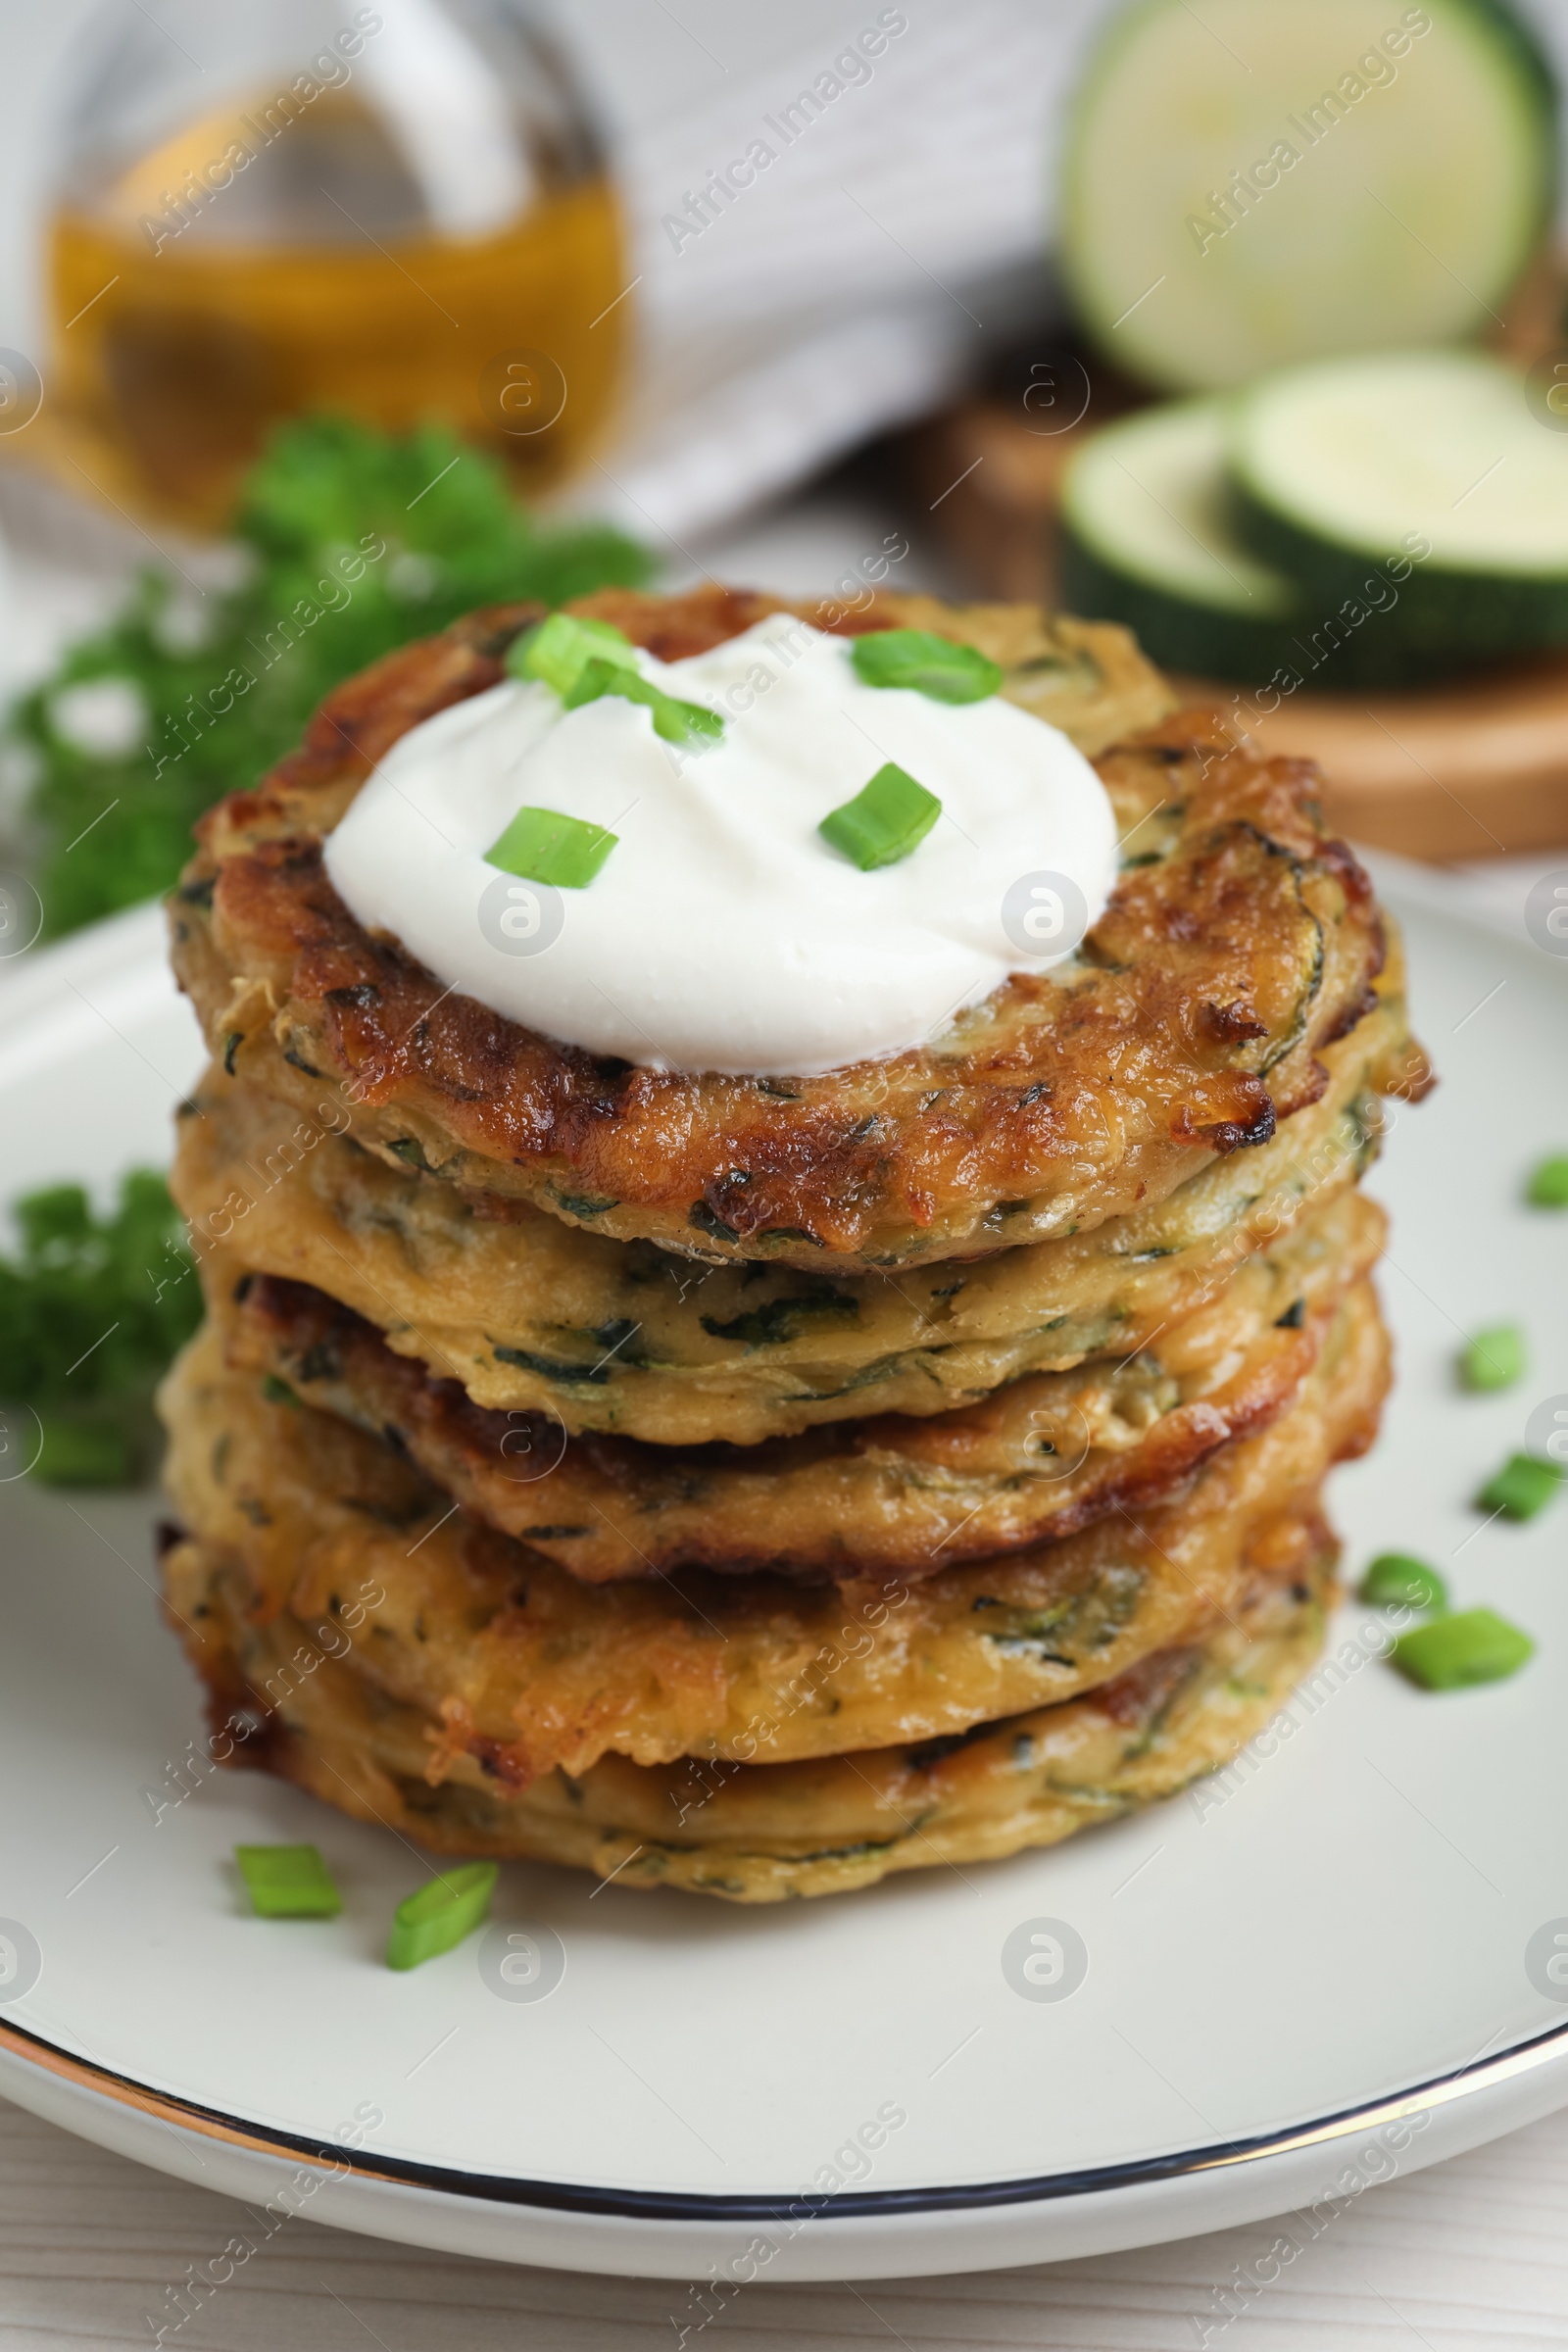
<point>779,1213</point>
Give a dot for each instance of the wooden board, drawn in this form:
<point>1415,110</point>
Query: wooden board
<point>1448,773</point>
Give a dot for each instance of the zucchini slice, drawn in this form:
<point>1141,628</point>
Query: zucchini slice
<point>1150,538</point>
<point>1358,464</point>
<point>1252,184</point>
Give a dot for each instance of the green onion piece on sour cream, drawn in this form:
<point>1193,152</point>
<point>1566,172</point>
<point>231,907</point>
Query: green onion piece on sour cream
<point>559,649</point>
<point>676,721</point>
<point>542,846</point>
<point>887,819</point>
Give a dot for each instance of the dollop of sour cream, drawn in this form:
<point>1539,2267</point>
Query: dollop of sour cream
<point>723,932</point>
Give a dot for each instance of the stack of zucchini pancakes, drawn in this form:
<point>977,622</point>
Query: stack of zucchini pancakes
<point>758,1485</point>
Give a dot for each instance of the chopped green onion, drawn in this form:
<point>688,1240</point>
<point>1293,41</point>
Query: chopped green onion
<point>931,666</point>
<point>542,846</point>
<point>1549,1183</point>
<point>1523,1486</point>
<point>887,819</point>
<point>559,649</point>
<point>439,1914</point>
<point>1396,1580</point>
<point>278,1392</point>
<point>84,1453</point>
<point>289,1882</point>
<point>676,721</point>
<point>1495,1359</point>
<point>1475,1646</point>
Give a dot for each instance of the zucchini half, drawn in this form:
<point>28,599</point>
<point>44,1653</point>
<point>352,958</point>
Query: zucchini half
<point>1253,183</point>
<point>1428,458</point>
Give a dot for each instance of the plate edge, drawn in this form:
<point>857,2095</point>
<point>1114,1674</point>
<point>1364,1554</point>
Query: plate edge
<point>667,2205</point>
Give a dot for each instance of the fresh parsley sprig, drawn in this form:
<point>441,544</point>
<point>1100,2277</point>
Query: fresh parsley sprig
<point>353,542</point>
<point>92,1308</point>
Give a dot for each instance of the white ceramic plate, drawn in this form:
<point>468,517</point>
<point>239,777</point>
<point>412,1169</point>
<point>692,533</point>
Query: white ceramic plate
<point>1300,1979</point>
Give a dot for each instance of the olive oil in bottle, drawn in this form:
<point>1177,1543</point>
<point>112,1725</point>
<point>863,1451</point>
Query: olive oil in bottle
<point>398,213</point>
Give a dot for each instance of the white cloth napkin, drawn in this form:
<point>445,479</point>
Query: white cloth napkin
<point>900,223</point>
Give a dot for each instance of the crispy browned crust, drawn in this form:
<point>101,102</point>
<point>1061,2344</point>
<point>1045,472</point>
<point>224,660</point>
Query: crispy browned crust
<point>1191,1023</point>
<point>533,1313</point>
<point>1034,1462</point>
